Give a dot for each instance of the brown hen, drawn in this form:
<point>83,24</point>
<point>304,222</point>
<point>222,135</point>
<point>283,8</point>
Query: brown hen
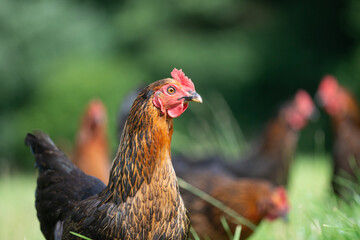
<point>253,199</point>
<point>91,152</point>
<point>141,200</point>
<point>344,112</point>
<point>270,158</point>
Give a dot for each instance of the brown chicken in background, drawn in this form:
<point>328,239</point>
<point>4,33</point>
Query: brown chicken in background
<point>270,158</point>
<point>91,152</point>
<point>344,112</point>
<point>253,199</point>
<point>142,199</point>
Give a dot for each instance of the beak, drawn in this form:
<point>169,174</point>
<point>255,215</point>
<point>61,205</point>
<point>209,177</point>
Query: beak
<point>318,100</point>
<point>285,218</point>
<point>98,118</point>
<point>193,97</point>
<point>315,115</point>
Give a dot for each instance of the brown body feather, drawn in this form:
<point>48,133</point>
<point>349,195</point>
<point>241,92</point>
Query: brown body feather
<point>250,198</point>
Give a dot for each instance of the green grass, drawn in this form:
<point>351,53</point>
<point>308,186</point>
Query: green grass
<point>314,213</point>
<point>80,236</point>
<point>17,208</point>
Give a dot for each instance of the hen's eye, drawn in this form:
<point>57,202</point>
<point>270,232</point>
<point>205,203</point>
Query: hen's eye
<point>171,90</point>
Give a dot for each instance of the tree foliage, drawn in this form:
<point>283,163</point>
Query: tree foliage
<point>56,55</point>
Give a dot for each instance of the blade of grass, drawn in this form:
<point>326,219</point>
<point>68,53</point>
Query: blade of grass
<point>80,236</point>
<point>194,234</point>
<point>237,233</point>
<point>230,130</point>
<point>220,128</point>
<point>345,229</point>
<point>226,227</point>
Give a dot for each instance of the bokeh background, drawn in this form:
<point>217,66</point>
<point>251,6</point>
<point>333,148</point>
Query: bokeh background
<point>57,55</point>
<point>246,58</point>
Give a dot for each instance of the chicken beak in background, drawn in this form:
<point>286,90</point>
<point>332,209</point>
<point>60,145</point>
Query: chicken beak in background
<point>99,119</point>
<point>318,99</point>
<point>285,217</point>
<point>315,115</point>
<point>193,97</point>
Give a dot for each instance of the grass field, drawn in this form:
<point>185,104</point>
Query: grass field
<point>314,213</point>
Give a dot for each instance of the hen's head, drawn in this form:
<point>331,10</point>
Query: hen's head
<point>300,110</point>
<point>330,95</point>
<point>336,100</point>
<point>277,204</point>
<point>173,95</point>
<point>95,115</point>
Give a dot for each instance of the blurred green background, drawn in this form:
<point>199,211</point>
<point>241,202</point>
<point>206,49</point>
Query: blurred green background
<point>57,55</point>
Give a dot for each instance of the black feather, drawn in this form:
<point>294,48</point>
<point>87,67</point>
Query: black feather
<point>57,174</point>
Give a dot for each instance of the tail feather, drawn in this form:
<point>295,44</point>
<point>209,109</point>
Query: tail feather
<point>39,142</point>
<point>47,154</point>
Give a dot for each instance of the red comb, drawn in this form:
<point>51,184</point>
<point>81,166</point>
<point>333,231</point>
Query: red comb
<point>328,84</point>
<point>281,191</point>
<point>304,103</point>
<point>96,109</point>
<point>179,75</point>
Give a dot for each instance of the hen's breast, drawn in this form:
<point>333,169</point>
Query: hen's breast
<point>156,211</point>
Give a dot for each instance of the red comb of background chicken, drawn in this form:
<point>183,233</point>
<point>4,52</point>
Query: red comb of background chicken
<point>280,200</point>
<point>304,103</point>
<point>331,95</point>
<point>328,87</point>
<point>179,75</point>
<point>300,111</point>
<point>281,191</point>
<point>96,109</point>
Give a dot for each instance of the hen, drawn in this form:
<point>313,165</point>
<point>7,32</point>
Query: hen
<point>91,153</point>
<point>270,158</point>
<point>344,112</point>
<point>253,199</point>
<point>141,200</point>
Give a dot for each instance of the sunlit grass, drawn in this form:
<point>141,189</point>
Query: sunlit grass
<point>315,212</point>
<point>17,208</point>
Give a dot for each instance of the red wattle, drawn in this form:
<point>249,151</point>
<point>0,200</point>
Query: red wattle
<point>177,111</point>
<point>157,102</point>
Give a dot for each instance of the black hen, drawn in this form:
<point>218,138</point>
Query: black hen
<point>57,174</point>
